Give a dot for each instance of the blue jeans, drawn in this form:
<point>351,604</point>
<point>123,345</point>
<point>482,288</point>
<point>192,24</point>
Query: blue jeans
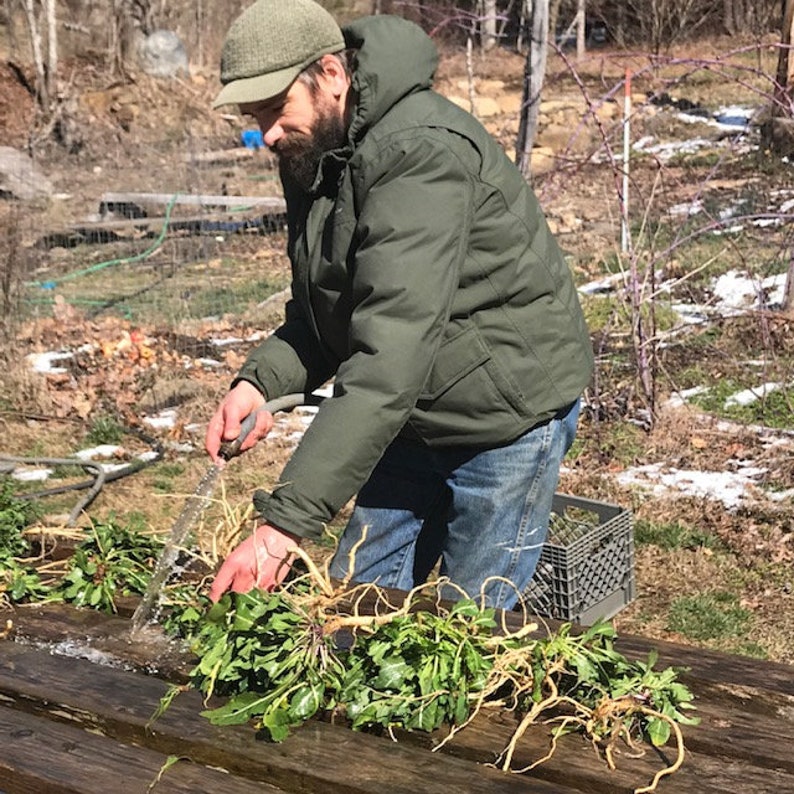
<point>483,512</point>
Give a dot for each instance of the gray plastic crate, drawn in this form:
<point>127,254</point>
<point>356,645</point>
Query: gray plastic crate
<point>586,567</point>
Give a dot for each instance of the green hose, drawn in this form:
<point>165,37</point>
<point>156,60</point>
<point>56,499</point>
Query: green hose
<point>123,261</point>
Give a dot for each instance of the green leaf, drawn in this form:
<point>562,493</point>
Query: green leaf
<point>658,731</point>
<point>306,701</point>
<point>238,710</point>
<point>393,672</point>
<point>276,724</point>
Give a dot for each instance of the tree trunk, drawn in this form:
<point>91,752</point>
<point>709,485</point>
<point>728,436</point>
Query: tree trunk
<point>785,62</point>
<point>554,17</point>
<point>52,50</point>
<point>534,72</point>
<point>728,18</point>
<point>581,28</point>
<point>489,24</point>
<point>788,293</point>
<point>34,29</point>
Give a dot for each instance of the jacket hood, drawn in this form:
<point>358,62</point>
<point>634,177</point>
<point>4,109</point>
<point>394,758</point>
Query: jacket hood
<point>395,58</point>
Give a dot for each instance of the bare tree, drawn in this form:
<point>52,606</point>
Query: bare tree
<point>581,28</point>
<point>785,63</point>
<point>537,16</point>
<point>46,67</point>
<point>489,17</point>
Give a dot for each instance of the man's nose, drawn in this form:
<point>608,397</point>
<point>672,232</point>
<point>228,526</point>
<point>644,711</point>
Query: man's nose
<point>271,134</point>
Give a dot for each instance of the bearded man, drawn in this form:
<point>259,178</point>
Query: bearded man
<point>427,285</point>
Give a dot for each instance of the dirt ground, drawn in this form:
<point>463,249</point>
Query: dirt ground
<point>140,136</point>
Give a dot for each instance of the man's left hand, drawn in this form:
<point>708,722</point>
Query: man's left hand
<point>262,560</point>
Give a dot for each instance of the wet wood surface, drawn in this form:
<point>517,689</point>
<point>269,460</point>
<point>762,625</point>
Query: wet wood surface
<point>73,680</point>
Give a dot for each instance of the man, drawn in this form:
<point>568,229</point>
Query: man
<point>425,281</point>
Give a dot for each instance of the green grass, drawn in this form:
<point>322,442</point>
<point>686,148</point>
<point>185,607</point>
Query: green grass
<point>775,409</point>
<point>709,617</point>
<point>105,430</point>
<point>165,475</point>
<point>674,535</point>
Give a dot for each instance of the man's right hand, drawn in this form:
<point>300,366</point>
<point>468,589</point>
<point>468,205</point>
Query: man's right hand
<point>241,401</point>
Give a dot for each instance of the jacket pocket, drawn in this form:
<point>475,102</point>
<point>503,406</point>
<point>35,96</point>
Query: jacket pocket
<point>457,357</point>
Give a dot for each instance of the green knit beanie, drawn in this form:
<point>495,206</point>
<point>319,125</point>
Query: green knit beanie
<point>268,46</point>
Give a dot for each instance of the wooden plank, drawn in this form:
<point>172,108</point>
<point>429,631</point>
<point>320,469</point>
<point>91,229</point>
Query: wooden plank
<point>713,666</point>
<point>749,720</point>
<point>274,203</point>
<point>39,756</point>
<point>119,703</point>
<point>262,155</point>
<point>722,757</point>
<point>700,664</point>
<point>316,758</point>
<point>101,638</point>
<point>156,222</point>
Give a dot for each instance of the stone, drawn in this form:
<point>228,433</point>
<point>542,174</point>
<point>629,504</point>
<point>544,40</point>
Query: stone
<point>162,54</point>
<point>20,178</point>
<point>485,107</point>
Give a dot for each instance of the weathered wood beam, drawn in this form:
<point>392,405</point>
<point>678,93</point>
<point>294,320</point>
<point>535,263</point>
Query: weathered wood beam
<point>273,203</point>
<point>38,755</point>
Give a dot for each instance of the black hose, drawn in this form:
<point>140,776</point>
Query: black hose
<point>94,485</point>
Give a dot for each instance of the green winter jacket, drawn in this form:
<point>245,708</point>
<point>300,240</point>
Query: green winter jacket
<point>424,280</point>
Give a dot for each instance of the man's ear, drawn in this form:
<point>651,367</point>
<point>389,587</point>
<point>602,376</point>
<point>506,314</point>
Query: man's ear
<point>334,75</point>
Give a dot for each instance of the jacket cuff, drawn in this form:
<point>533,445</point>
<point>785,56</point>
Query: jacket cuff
<point>268,509</point>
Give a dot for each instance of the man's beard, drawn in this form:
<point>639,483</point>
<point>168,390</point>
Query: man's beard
<point>299,154</point>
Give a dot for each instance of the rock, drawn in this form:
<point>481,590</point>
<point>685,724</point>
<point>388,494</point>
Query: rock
<point>162,54</point>
<point>556,137</point>
<point>554,106</point>
<point>510,104</point>
<point>542,159</point>
<point>20,178</point>
<point>485,107</point>
<point>607,111</point>
<point>482,87</point>
<point>778,135</point>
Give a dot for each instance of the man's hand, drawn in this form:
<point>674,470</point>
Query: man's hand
<point>241,401</point>
<point>261,560</point>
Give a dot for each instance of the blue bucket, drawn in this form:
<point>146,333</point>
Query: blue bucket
<point>252,139</point>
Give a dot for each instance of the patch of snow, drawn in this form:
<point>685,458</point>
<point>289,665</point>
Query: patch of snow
<point>752,395</point>
<point>164,420</point>
<point>101,451</point>
<point>730,488</point>
<point>680,398</point>
<point>666,151</point>
<point>688,209</point>
<point>602,285</point>
<point>32,475</point>
<point>43,362</point>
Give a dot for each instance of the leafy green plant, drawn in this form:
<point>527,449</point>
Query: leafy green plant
<point>112,561</point>
<point>15,515</point>
<point>281,658</point>
<point>20,583</point>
